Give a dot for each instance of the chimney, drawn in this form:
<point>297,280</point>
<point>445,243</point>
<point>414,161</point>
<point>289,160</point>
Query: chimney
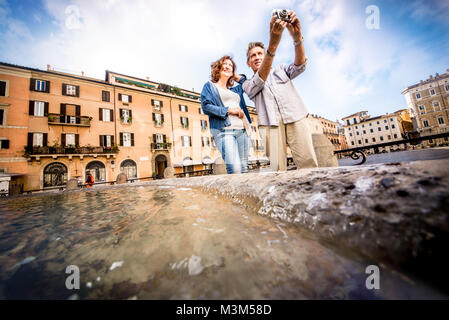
<point>148,78</point>
<point>82,73</point>
<point>48,67</point>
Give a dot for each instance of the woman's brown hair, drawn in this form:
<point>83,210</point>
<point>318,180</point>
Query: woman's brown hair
<point>216,68</point>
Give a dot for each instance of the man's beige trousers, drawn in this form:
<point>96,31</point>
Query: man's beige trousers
<point>297,136</point>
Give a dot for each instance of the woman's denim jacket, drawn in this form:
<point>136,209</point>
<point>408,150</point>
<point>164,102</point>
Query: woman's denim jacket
<point>214,108</point>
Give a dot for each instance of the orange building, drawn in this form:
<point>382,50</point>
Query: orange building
<point>57,126</point>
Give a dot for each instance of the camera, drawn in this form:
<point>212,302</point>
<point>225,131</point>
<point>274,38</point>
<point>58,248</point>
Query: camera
<point>281,14</point>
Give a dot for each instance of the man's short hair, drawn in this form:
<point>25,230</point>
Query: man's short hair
<point>252,45</point>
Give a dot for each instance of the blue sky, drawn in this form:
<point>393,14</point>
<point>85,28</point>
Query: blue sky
<point>350,67</point>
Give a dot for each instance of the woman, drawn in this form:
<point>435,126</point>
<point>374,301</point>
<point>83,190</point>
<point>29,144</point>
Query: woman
<point>228,114</point>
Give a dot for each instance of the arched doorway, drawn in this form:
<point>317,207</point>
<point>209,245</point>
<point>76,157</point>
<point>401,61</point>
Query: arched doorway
<point>161,164</point>
<point>97,170</point>
<point>55,174</point>
<point>129,168</point>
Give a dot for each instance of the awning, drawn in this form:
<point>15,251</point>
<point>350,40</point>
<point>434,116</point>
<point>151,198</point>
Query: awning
<point>186,163</point>
<point>207,160</point>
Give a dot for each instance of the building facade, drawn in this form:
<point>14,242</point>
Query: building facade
<point>57,126</point>
<point>361,130</point>
<point>428,102</point>
<point>328,128</point>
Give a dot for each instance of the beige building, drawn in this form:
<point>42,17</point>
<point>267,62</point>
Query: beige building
<point>56,126</point>
<point>327,127</point>
<point>361,130</point>
<point>428,102</point>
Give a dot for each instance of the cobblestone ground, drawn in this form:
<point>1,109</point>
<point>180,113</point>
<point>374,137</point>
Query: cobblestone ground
<point>401,156</point>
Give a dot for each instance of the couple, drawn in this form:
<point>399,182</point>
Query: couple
<point>281,112</point>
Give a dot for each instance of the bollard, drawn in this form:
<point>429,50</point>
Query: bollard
<point>169,172</point>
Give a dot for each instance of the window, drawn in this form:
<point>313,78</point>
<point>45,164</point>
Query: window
<point>183,108</point>
<point>357,133</point>
<point>70,90</point>
<point>349,129</point>
<point>436,106</point>
<point>204,125</point>
<point>379,129</point>
<point>364,131</point>
<point>185,122</point>
<point>105,96</point>
<point>355,120</point>
<point>386,127</point>
<point>381,138</point>
<point>4,144</point>
<point>106,141</point>
<point>446,87</point>
<point>157,104</point>
<point>393,126</point>
<point>205,141</point>
<point>389,137</point>
<point>186,141</point>
<point>70,139</point>
<point>158,119</point>
<point>360,141</point>
<point>385,120</point>
<point>106,115</point>
<point>3,88</point>
<point>125,98</point>
<point>159,138</point>
<point>356,127</point>
<point>425,123</point>
<point>2,117</point>
<point>350,134</point>
<point>38,139</point>
<point>422,110</point>
<point>363,126</point>
<point>432,92</point>
<point>39,108</point>
<point>352,143</point>
<point>366,140</point>
<point>370,124</point>
<point>200,111</point>
<point>395,136</point>
<point>441,120</point>
<point>126,116</point>
<point>348,122</point>
<point>374,139</point>
<point>418,96</point>
<point>371,130</point>
<point>378,122</point>
<point>126,139</point>
<point>40,85</point>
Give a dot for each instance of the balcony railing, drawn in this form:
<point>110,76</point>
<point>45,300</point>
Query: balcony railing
<point>161,146</point>
<point>70,150</point>
<point>61,119</point>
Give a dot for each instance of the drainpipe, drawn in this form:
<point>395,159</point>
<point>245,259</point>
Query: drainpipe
<point>172,130</point>
<point>115,121</point>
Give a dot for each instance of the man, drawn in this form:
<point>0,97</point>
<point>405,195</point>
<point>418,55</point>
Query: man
<point>281,111</point>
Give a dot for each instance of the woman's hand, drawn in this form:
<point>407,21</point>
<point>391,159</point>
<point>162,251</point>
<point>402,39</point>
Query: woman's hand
<point>236,77</point>
<point>234,111</point>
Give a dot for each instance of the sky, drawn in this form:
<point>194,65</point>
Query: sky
<point>361,53</point>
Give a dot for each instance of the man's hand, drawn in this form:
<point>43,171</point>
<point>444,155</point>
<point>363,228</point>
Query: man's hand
<point>294,26</point>
<point>277,26</point>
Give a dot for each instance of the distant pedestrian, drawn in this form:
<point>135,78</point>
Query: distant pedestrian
<point>89,181</point>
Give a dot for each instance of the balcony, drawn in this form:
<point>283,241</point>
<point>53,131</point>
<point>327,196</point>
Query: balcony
<point>160,146</point>
<point>70,151</point>
<point>65,120</point>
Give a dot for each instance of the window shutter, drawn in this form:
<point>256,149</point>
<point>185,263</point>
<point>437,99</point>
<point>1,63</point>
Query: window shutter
<point>130,113</point>
<point>179,107</point>
<point>32,84</point>
<point>64,89</point>
<point>152,102</point>
<point>162,117</point>
<point>121,112</point>
<point>112,140</point>
<point>206,123</point>
<point>121,138</point>
<point>187,121</point>
<point>45,139</point>
<point>161,103</point>
<point>202,141</point>
<point>181,121</point>
<point>190,140</point>
<point>78,114</point>
<point>47,86</point>
<point>154,117</point>
<point>130,99</point>
<point>63,108</point>
<point>77,140</point>
<point>63,139</point>
<point>62,112</point>
<point>187,109</point>
<point>30,139</point>
<point>154,138</point>
<point>165,138</point>
<point>101,114</point>
<point>120,97</point>
<point>46,108</point>
<point>31,108</point>
<point>101,141</point>
<point>199,110</point>
<point>112,114</point>
<point>77,91</point>
<point>132,139</point>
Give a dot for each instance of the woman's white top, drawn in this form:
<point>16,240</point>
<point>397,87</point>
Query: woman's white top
<point>231,100</point>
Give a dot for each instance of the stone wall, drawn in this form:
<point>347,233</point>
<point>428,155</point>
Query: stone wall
<point>396,214</point>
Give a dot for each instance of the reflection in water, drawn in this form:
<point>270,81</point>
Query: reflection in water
<point>149,242</point>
